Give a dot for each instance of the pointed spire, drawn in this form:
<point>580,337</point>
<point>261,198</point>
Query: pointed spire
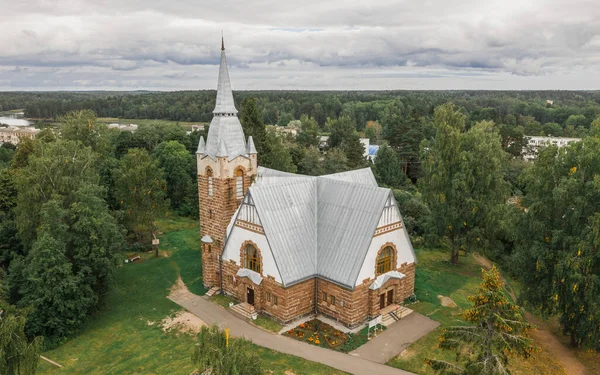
<point>201,146</point>
<point>222,42</point>
<point>222,150</point>
<point>225,103</point>
<point>250,148</point>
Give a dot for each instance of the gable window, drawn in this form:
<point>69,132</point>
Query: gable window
<point>239,184</point>
<point>209,174</point>
<point>385,260</point>
<point>251,259</point>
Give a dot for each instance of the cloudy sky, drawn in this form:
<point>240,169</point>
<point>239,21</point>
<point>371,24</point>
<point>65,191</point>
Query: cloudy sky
<point>309,44</point>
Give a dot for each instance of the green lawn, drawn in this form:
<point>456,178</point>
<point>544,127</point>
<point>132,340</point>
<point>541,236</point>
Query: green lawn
<point>436,276</point>
<point>125,336</point>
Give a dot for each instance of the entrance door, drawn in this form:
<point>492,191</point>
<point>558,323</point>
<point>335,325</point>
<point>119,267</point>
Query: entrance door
<point>382,300</point>
<point>390,297</point>
<point>250,296</point>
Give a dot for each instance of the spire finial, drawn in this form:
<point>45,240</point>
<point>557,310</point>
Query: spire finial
<point>222,42</point>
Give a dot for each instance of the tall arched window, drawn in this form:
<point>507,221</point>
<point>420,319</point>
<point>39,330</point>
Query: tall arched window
<point>209,175</point>
<point>239,183</point>
<point>385,260</point>
<point>251,259</point>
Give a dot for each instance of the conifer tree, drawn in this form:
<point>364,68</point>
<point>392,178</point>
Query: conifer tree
<point>387,167</point>
<point>498,331</point>
<point>253,125</point>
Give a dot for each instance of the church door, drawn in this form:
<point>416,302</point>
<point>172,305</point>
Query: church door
<point>382,300</point>
<point>390,297</point>
<point>250,296</point>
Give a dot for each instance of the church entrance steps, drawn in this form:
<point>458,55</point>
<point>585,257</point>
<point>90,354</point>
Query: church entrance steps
<point>393,313</point>
<point>243,310</point>
<point>211,292</point>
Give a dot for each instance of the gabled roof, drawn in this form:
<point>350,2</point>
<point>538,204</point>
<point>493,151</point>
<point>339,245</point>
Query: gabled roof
<point>318,226</point>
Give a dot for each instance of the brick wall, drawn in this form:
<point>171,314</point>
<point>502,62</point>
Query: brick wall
<point>215,213</point>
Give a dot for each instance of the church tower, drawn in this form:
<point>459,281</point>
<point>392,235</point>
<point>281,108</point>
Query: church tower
<point>227,165</point>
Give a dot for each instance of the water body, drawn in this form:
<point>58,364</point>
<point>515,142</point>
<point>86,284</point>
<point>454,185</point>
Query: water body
<point>14,119</point>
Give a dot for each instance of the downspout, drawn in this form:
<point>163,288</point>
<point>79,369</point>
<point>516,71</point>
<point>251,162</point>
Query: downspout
<point>316,294</point>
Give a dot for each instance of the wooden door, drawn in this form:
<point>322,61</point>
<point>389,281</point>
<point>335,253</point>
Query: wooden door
<point>250,296</point>
<point>382,300</point>
<point>390,297</point>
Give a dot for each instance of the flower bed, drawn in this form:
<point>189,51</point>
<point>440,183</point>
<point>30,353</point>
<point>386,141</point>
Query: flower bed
<point>318,333</point>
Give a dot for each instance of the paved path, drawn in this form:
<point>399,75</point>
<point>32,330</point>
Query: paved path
<point>396,338</point>
<point>214,314</point>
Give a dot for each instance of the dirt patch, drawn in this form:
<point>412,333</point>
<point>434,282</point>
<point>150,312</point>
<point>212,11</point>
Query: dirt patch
<point>179,291</point>
<point>183,321</point>
<point>484,262</point>
<point>406,354</point>
<point>550,343</point>
<point>447,301</point>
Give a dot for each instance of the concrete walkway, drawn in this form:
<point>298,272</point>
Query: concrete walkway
<point>214,314</point>
<point>396,338</point>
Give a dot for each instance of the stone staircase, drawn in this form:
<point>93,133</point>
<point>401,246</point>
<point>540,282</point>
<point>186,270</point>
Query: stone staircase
<point>393,313</point>
<point>243,310</point>
<point>211,292</point>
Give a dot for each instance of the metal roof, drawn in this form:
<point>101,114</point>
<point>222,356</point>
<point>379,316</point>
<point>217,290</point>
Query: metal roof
<point>318,226</point>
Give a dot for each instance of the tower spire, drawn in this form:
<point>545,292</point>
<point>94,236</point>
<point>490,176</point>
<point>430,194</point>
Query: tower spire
<point>222,42</point>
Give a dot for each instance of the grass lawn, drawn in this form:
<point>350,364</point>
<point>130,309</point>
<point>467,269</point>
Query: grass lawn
<point>267,323</point>
<point>435,276</point>
<point>125,337</point>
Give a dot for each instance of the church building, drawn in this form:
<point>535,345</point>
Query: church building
<point>290,245</point>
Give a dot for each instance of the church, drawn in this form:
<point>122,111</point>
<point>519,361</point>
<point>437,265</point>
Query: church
<point>290,245</point>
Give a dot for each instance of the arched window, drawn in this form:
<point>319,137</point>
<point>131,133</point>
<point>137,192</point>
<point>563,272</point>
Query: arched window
<point>251,259</point>
<point>385,260</point>
<point>239,183</point>
<point>209,174</point>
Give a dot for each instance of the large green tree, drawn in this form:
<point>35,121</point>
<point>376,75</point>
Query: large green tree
<point>497,332</point>
<point>387,167</point>
<point>558,239</point>
<point>81,126</point>
<point>311,163</point>
<point>178,165</point>
<point>335,161</point>
<point>309,132</point>
<point>140,189</point>
<point>277,154</point>
<point>463,181</point>
<point>254,126</point>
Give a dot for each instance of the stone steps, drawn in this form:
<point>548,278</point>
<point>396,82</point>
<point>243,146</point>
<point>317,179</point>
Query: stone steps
<point>243,310</point>
<point>211,292</point>
<point>395,315</point>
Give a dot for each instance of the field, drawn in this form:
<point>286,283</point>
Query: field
<point>110,120</point>
<point>125,336</point>
<point>435,276</point>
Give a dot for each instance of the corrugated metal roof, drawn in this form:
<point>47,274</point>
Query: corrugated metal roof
<point>318,225</point>
<point>348,214</point>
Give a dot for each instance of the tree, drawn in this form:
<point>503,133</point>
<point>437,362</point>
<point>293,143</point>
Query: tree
<point>463,181</point>
<point>335,161</point>
<point>140,190</point>
<point>9,241</point>
<point>374,132</point>
<point>178,165</point>
<point>558,238</point>
<point>355,151</point>
<point>404,135</point>
<point>341,128</point>
<point>309,132</point>
<point>552,129</point>
<point>215,352</point>
<point>387,167</point>
<point>311,163</point>
<point>81,126</point>
<point>497,331</point>
<point>254,126</point>
<point>59,299</point>
<point>18,355</point>
<point>277,155</point>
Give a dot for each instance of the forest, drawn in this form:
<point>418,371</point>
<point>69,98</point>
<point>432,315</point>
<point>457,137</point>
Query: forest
<point>452,159</point>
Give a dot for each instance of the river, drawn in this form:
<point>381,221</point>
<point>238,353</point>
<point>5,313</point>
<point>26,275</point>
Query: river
<point>14,119</point>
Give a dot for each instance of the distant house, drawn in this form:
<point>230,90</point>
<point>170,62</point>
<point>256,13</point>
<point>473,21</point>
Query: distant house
<point>14,134</point>
<point>548,101</point>
<point>198,127</point>
<point>534,143</point>
<point>123,127</point>
<point>372,153</point>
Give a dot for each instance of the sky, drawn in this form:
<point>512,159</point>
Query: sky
<point>300,45</point>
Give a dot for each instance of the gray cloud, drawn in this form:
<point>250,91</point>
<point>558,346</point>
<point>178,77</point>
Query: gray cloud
<point>337,44</point>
